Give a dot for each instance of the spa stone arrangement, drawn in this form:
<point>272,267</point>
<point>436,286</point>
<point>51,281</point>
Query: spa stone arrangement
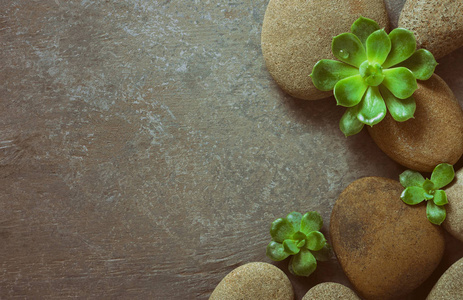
<point>386,234</point>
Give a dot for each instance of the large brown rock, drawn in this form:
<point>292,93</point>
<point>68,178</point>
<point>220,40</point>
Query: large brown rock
<point>330,291</point>
<point>454,221</point>
<point>450,285</point>
<point>296,34</point>
<point>434,136</point>
<point>438,25</point>
<point>385,247</point>
<point>257,281</point>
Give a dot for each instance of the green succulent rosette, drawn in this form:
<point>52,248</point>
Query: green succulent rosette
<point>377,72</point>
<point>419,189</point>
<point>298,236</point>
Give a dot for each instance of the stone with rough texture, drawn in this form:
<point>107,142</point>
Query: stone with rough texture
<point>330,291</point>
<point>450,285</point>
<point>296,34</point>
<point>258,280</point>
<point>454,221</point>
<point>438,25</point>
<point>434,136</point>
<point>385,247</point>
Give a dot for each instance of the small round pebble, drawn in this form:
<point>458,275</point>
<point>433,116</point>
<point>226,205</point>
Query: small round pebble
<point>454,221</point>
<point>450,285</point>
<point>330,291</point>
<point>254,281</point>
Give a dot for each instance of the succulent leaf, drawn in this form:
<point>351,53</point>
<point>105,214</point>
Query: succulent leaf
<point>413,195</point>
<point>299,235</point>
<point>428,196</point>
<point>303,263</point>
<point>401,110</point>
<point>436,214</point>
<point>326,73</point>
<point>440,198</point>
<point>428,186</point>
<point>295,219</point>
<point>275,251</point>
<point>315,241</point>
<point>281,230</point>
<point>347,48</point>
<point>311,221</point>
<point>323,254</point>
<point>372,109</point>
<point>403,45</point>
<point>442,175</point>
<point>400,81</point>
<point>378,46</point>
<point>411,178</point>
<point>291,247</point>
<point>349,91</point>
<point>301,243</point>
<point>363,27</point>
<point>349,123</point>
<point>422,64</point>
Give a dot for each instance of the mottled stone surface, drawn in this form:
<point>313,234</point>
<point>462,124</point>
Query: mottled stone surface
<point>433,136</point>
<point>296,34</point>
<point>330,291</point>
<point>438,25</point>
<point>257,280</point>
<point>386,247</point>
<point>454,221</point>
<point>145,149</point>
<point>450,285</point>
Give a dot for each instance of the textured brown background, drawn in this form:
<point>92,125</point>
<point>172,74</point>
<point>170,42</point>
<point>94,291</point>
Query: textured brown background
<point>145,149</point>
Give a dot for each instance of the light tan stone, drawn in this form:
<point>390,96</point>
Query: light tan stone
<point>454,220</point>
<point>296,34</point>
<point>254,281</point>
<point>434,136</point>
<point>450,285</point>
<point>438,25</point>
<point>330,291</point>
<point>385,247</point>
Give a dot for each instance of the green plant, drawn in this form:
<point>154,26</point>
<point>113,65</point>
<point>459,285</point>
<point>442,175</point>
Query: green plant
<point>418,189</point>
<point>298,235</point>
<point>376,72</point>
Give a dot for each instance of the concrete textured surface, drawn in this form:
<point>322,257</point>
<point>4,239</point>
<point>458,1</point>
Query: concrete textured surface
<point>145,149</point>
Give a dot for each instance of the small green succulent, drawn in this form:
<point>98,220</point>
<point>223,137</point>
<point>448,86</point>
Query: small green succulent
<point>299,235</point>
<point>376,72</point>
<point>418,189</point>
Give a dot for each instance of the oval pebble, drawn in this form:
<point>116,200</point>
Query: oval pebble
<point>385,247</point>
<point>330,291</point>
<point>450,285</point>
<point>296,34</point>
<point>257,280</point>
<point>438,25</point>
<point>454,221</point>
<point>434,136</point>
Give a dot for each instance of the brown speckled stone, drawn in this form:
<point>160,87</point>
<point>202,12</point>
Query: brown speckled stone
<point>385,247</point>
<point>438,25</point>
<point>434,136</point>
<point>297,34</point>
<point>256,281</point>
<point>330,291</point>
<point>454,220</point>
<point>450,285</point>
